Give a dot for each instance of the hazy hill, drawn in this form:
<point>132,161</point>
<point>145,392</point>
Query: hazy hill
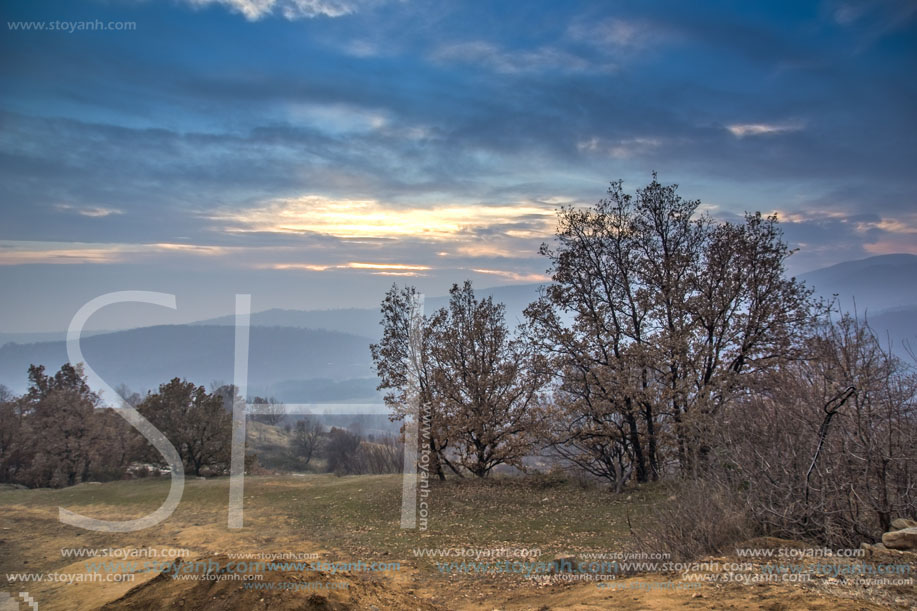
<point>299,356</point>
<point>39,336</point>
<point>876,283</point>
<point>882,289</point>
<point>144,358</point>
<point>365,321</point>
<point>898,326</point>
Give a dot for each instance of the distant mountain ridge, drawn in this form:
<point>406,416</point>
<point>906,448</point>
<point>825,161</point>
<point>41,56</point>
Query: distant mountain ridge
<point>146,357</point>
<point>875,283</point>
<point>359,321</point>
<point>365,321</point>
<point>39,336</point>
<point>298,356</point>
<point>881,289</point>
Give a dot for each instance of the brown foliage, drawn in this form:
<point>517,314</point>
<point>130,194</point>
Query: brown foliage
<point>194,421</point>
<point>655,319</point>
<point>404,365</point>
<point>56,436</point>
<point>487,383</point>
<point>478,385</point>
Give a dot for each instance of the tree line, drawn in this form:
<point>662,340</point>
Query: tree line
<point>666,345</point>
<point>58,433</point>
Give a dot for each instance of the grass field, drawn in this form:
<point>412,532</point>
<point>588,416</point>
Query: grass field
<point>360,515</point>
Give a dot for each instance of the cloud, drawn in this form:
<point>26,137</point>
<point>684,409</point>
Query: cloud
<point>825,236</point>
<point>378,269</point>
<point>356,219</point>
<point>622,148</point>
<point>619,36</point>
<point>13,252</point>
<point>620,33</point>
<point>21,252</point>
<point>388,267</point>
<point>196,249</point>
<point>155,145</point>
<point>312,267</point>
<point>741,130</point>
<point>91,212</point>
<point>513,276</point>
<point>868,21</point>
<point>882,16</point>
<point>24,253</point>
<point>847,13</point>
<point>253,10</point>
<point>511,61</point>
<point>584,47</point>
<point>362,48</point>
<point>337,118</point>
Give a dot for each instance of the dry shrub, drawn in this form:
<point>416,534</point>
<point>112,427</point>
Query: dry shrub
<point>385,455</point>
<point>555,477</point>
<point>760,476</point>
<point>349,455</point>
<point>699,518</point>
<point>866,472</point>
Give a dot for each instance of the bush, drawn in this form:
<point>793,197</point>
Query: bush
<point>341,451</point>
<point>699,518</point>
<point>347,454</point>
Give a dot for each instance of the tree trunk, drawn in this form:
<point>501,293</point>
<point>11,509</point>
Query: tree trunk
<point>651,440</point>
<point>435,463</point>
<point>639,457</point>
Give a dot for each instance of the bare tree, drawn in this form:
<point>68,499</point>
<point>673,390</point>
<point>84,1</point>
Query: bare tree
<point>268,410</point>
<point>866,472</point>
<point>384,455</point>
<point>348,454</point>
<point>343,452</point>
<point>306,435</point>
<point>132,398</point>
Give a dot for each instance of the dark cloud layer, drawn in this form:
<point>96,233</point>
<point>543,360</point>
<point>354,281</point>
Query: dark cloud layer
<point>112,143</point>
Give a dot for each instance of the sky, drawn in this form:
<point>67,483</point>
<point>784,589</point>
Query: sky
<point>312,152</point>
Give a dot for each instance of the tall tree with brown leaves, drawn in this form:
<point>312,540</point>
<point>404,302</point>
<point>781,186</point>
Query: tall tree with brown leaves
<point>488,383</point>
<point>405,369</point>
<point>655,316</point>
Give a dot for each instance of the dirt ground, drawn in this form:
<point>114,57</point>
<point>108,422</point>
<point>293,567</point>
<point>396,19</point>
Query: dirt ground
<point>637,592</point>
